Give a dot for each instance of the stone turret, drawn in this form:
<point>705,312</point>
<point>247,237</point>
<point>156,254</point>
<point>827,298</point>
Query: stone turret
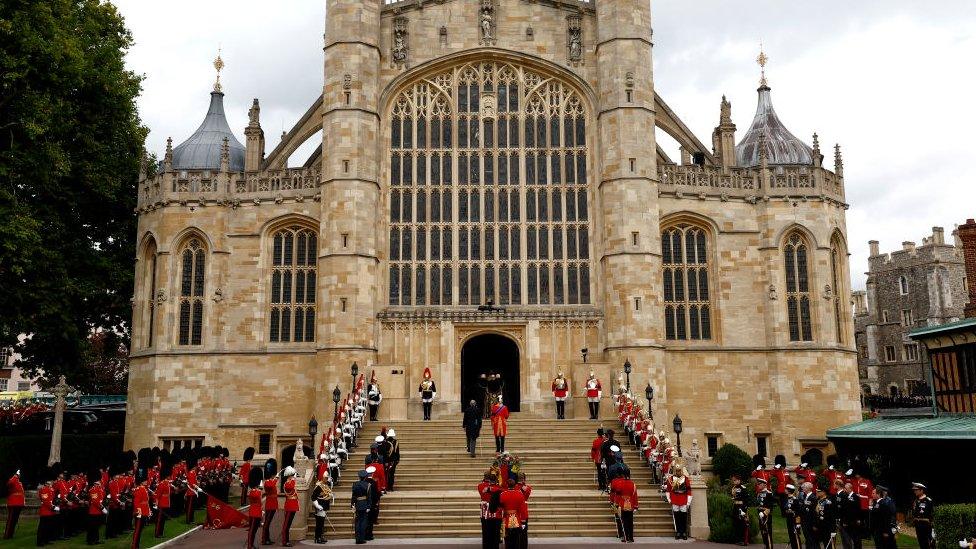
<point>723,137</point>
<point>254,137</point>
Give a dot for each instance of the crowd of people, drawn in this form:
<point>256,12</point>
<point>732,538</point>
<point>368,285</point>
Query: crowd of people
<point>132,494</point>
<point>504,496</point>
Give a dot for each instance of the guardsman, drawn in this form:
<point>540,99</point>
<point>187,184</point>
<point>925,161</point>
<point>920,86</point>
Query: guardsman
<point>48,512</point>
<point>163,498</point>
<point>824,520</point>
<point>491,515</point>
<point>922,510</point>
<point>679,496</point>
<point>760,472</point>
<point>499,424</point>
<point>805,474</point>
<point>321,502</point>
<point>514,511</point>
<point>596,458</point>
<point>291,504</point>
<point>96,511</point>
<point>782,479</point>
<point>848,509</point>
<point>244,473</point>
<point>376,459</point>
<point>362,498</point>
<point>765,502</point>
<point>560,392</point>
<point>374,504</point>
<point>740,517</point>
<point>526,490</point>
<point>270,500</point>
<point>594,392</point>
<point>254,493</point>
<point>793,512</point>
<point>190,496</point>
<point>140,510</point>
<point>623,497</point>
<point>832,475</point>
<point>374,396</point>
<point>392,456</point>
<point>883,519</point>
<point>863,488</point>
<point>15,504</point>
<point>428,392</point>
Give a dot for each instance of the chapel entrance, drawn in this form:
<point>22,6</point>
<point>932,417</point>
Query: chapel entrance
<point>488,354</point>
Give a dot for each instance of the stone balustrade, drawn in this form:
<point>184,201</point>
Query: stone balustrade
<point>750,184</point>
<point>203,186</point>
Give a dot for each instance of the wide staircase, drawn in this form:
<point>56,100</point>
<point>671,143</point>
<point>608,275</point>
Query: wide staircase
<point>436,482</point>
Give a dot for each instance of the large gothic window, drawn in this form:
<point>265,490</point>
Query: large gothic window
<point>687,309</point>
<point>797,288</point>
<point>836,266</point>
<point>293,269</point>
<point>488,190</point>
<point>149,285</point>
<point>193,261</point>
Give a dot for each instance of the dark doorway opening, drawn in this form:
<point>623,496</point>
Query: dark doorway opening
<point>486,354</point>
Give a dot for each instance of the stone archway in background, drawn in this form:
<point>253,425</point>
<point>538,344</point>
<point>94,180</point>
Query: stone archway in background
<point>486,353</point>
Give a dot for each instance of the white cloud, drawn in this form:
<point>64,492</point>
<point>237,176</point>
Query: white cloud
<point>891,81</point>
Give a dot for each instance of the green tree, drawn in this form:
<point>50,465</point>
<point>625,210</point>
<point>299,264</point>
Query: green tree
<point>731,459</point>
<point>70,147</point>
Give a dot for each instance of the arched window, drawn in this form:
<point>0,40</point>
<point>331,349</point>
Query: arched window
<point>149,289</point>
<point>836,282</point>
<point>294,250</point>
<point>687,308</point>
<point>798,289</point>
<point>488,190</point>
<point>903,285</point>
<point>193,260</point>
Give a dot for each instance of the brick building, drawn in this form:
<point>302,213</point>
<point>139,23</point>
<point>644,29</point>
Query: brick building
<point>910,288</point>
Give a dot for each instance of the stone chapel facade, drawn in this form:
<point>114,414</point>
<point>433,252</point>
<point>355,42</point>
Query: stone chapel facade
<point>496,152</point>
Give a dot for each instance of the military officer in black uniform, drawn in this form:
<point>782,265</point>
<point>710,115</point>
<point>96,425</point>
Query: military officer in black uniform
<point>740,517</point>
<point>765,503</point>
<point>922,509</point>
<point>848,507</point>
<point>808,499</point>
<point>824,520</point>
<point>793,511</point>
<point>883,519</point>
<point>362,498</point>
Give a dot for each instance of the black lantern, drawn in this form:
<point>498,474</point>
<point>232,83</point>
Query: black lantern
<point>355,371</point>
<point>336,395</point>
<point>676,425</point>
<point>649,394</point>
<point>584,352</point>
<point>313,428</point>
<point>627,370</point>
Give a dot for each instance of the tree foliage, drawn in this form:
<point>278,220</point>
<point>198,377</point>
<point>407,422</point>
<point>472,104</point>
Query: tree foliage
<point>731,459</point>
<point>70,144</point>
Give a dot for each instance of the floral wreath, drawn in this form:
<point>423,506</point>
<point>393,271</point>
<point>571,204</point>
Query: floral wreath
<point>506,461</point>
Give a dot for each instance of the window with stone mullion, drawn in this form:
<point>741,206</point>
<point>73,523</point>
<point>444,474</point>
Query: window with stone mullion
<point>687,296</point>
<point>192,280</point>
<point>294,256</point>
<point>798,303</point>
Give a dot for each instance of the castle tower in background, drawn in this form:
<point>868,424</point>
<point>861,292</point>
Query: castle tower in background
<point>500,153</point>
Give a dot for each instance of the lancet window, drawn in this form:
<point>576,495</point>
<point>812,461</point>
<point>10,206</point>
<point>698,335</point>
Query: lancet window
<point>488,190</point>
<point>687,298</point>
<point>193,262</point>
<point>795,255</point>
<point>293,272</point>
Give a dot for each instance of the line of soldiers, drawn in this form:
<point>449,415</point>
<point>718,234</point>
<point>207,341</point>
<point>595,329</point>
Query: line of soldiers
<point>135,493</point>
<point>504,508</point>
<point>262,500</point>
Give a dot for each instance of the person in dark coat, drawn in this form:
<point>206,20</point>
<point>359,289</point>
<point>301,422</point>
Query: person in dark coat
<point>472,425</point>
<point>362,499</point>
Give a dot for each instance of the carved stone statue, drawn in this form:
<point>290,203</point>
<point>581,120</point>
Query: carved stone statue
<point>693,459</point>
<point>400,39</point>
<point>575,38</point>
<point>486,22</point>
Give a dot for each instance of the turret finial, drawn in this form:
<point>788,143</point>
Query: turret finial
<point>219,65</point>
<point>725,112</point>
<point>838,161</point>
<point>762,60</point>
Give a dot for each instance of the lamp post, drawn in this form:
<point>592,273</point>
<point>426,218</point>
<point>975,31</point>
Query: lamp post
<point>677,431</point>
<point>336,395</point>
<point>355,371</point>
<point>313,429</point>
<point>627,370</point>
<point>649,394</point>
<point>584,352</point>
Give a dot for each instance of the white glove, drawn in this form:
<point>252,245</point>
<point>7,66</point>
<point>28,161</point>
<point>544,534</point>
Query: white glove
<point>435,395</point>
<point>689,501</point>
<point>963,544</point>
<point>317,506</point>
<point>104,511</point>
<point>56,509</point>
<point>667,496</point>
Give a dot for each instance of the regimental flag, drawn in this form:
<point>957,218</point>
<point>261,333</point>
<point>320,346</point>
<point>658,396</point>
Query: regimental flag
<point>222,515</point>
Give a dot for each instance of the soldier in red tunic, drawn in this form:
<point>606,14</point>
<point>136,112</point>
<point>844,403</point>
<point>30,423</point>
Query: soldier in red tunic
<point>596,456</point>
<point>560,392</point>
<point>244,473</point>
<point>514,513</point>
<point>190,496</point>
<point>270,499</point>
<point>254,494</point>
<point>679,496</point>
<point>140,510</point>
<point>162,497</point>
<point>491,514</point>
<point>594,392</point>
<point>862,488</point>
<point>782,479</point>
<point>623,498</point>
<point>760,472</point>
<point>291,504</point>
<point>15,504</point>
<point>499,424</point>
<point>48,512</point>
<point>96,511</point>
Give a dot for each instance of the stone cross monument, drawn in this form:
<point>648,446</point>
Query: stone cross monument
<point>60,391</point>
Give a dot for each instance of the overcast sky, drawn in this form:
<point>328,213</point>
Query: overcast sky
<point>891,80</point>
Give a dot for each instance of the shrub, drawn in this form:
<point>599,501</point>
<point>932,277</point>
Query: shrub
<point>953,523</point>
<point>720,515</point>
<point>731,459</point>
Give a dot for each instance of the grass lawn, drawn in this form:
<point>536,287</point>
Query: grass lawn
<point>780,535</point>
<point>26,536</point>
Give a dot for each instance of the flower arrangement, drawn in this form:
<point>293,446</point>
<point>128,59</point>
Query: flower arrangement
<point>506,465</point>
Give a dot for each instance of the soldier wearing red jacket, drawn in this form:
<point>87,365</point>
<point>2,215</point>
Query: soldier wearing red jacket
<point>679,495</point>
<point>596,456</point>
<point>164,491</point>
<point>499,424</point>
<point>560,392</point>
<point>96,511</point>
<point>805,474</point>
<point>863,487</point>
<point>253,507</point>
<point>623,496</point>
<point>833,475</point>
<point>782,479</point>
<point>190,496</point>
<point>48,512</point>
<point>491,513</point>
<point>594,392</point>
<point>270,500</point>
<point>291,504</point>
<point>15,504</point>
<point>140,510</point>
<point>514,514</point>
<point>243,474</point>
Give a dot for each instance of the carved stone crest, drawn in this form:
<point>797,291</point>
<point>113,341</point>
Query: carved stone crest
<point>489,106</point>
<point>773,296</point>
<point>347,81</point>
<point>161,295</point>
<point>400,36</point>
<point>575,38</point>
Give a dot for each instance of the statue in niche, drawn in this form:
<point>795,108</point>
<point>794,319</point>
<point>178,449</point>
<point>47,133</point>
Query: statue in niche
<point>400,39</point>
<point>693,459</point>
<point>486,21</point>
<point>575,38</point>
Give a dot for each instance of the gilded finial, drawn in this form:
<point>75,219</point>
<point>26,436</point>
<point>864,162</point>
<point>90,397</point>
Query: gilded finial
<point>762,60</point>
<point>219,65</point>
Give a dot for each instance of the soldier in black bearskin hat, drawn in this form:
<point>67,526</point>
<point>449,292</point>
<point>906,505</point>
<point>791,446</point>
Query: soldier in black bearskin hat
<point>253,494</point>
<point>270,498</point>
<point>244,473</point>
<point>782,479</point>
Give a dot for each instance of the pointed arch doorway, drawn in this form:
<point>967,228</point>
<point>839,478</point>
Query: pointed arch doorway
<point>487,354</point>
